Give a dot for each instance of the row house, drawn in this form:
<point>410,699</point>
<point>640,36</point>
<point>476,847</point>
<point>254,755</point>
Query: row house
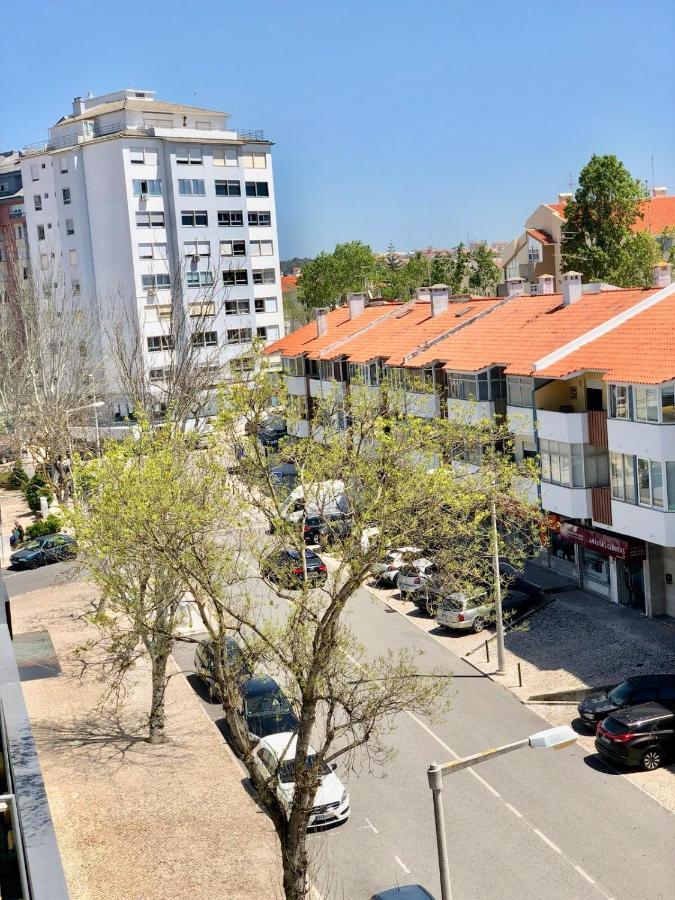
<point>586,380</point>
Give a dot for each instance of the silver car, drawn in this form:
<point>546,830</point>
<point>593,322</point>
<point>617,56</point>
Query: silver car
<point>387,570</point>
<point>417,575</point>
<point>464,612</point>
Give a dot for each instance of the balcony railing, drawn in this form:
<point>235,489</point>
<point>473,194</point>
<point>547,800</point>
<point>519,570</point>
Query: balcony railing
<point>601,504</point>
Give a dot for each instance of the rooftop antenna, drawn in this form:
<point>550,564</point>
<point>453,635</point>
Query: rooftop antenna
<point>653,181</point>
<point>570,183</point>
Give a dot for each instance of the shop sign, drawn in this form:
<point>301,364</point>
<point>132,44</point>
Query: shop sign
<point>603,543</point>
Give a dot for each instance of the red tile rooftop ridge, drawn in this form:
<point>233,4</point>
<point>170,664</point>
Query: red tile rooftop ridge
<point>396,312</point>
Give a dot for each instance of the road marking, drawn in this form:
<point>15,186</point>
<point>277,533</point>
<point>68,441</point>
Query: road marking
<point>433,735</point>
<point>584,875</point>
<point>370,824</point>
<point>513,810</point>
<point>547,841</point>
<point>402,865</point>
<point>485,784</point>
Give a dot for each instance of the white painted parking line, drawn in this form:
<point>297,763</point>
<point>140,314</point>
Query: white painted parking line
<point>402,865</point>
<point>547,841</point>
<point>514,810</point>
<point>370,824</point>
<point>584,875</point>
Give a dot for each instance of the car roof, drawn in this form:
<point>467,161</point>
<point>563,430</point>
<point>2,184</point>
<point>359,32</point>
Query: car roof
<point>631,715</point>
<point>295,554</point>
<point>284,743</point>
<point>260,684</point>
<point>404,892</point>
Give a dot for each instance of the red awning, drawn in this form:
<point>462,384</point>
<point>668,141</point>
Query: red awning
<point>618,547</point>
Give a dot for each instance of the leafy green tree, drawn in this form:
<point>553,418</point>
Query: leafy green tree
<point>666,242</point>
<point>639,254</point>
<point>597,237</point>
<point>327,279</point>
<point>460,271</point>
<point>485,274</point>
<point>391,259</point>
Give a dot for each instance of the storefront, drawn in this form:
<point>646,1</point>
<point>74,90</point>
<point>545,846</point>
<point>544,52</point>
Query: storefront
<point>562,552</point>
<point>610,566</point>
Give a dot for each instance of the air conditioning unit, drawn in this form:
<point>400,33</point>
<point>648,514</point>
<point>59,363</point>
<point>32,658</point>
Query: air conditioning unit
<point>144,196</point>
<point>195,257</point>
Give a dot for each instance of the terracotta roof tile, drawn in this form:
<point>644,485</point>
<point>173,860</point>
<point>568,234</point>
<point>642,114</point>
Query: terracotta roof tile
<point>306,340</point>
<point>658,214</point>
<point>543,236</point>
<point>289,282</point>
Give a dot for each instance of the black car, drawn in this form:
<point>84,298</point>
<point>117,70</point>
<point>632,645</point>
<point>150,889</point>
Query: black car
<point>632,691</point>
<point>43,550</point>
<point>266,708</point>
<point>285,567</point>
<point>404,892</point>
<point>325,527</point>
<point>638,736</point>
<point>204,664</point>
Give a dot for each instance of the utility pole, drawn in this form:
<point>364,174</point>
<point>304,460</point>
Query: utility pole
<point>499,618</point>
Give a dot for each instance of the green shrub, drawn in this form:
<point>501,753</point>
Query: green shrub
<point>50,525</point>
<point>36,488</point>
<point>18,475</point>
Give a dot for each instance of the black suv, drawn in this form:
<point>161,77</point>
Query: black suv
<point>639,736</point>
<point>638,689</point>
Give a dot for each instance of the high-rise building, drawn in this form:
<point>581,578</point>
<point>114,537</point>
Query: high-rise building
<point>132,197</point>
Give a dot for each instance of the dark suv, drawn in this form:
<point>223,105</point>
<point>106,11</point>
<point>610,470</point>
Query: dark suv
<point>639,736</point>
<point>638,689</point>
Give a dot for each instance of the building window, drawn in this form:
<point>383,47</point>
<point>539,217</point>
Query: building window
<point>63,165</point>
<point>197,248</point>
<point>619,401</point>
<point>370,374</point>
<point>199,279</point>
<point>622,477</point>
<point>242,365</point>
<point>257,189</point>
<point>230,218</point>
<point>40,232</point>
<point>266,304</point>
<point>194,218</point>
<point>37,201</point>
<point>70,226</point>
<point>158,374</point>
<point>160,342</point>
<point>152,251</point>
<point>670,484</point>
<point>263,276</point>
<point>233,248</point>
<point>293,365</point>
<point>228,189</point>
<point>463,386</point>
<point>156,281</point>
<point>235,276</point>
<point>237,307</point>
<point>65,192</point>
<point>260,219</point>
<point>150,219</point>
<point>646,403</point>
<point>562,463</point>
<point>143,155</point>
<point>519,391</point>
<point>187,155</point>
<point>72,257</point>
<point>35,172</point>
<point>254,160</point>
<point>272,333</point>
<point>239,336</point>
<point>205,339</point>
<point>192,187</point>
<point>147,187</point>
<point>262,248</point>
<point>225,156</point>
<point>668,402</point>
<point>261,332</point>
<point>75,287</point>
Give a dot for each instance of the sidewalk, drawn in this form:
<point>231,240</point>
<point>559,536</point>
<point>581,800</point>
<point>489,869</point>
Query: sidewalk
<point>137,821</point>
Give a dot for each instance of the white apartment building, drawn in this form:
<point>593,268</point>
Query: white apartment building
<point>131,193</point>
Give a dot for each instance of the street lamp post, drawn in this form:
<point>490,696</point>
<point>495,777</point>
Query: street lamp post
<point>555,738</point>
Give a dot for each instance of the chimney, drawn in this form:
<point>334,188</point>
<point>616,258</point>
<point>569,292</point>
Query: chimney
<point>571,287</point>
<point>439,299</point>
<point>563,198</point>
<point>515,287</point>
<point>78,106</point>
<point>661,275</point>
<point>321,321</point>
<point>660,191</point>
<point>546,284</point>
<point>423,293</point>
<point>357,303</point>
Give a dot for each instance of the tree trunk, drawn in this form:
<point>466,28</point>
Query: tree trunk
<point>156,721</point>
<point>294,860</point>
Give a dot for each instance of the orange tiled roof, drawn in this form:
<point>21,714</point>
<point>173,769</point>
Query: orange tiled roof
<point>523,330</point>
<point>542,236</point>
<point>306,339</point>
<point>289,282</point>
<point>393,338</point>
<point>658,214</point>
<point>628,353</point>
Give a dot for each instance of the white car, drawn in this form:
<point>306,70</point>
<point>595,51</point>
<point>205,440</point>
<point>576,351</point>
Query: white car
<point>416,575</point>
<point>277,752</point>
<point>387,571</point>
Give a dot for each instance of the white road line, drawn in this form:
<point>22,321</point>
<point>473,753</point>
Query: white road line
<point>375,831</point>
<point>402,865</point>
<point>433,735</point>
<point>584,875</point>
<point>547,841</point>
<point>485,784</point>
<point>513,810</point>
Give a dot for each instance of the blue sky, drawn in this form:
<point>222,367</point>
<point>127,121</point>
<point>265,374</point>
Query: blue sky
<point>415,123</point>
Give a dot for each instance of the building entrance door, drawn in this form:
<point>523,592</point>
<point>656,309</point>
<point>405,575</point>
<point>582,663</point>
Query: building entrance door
<point>631,584</point>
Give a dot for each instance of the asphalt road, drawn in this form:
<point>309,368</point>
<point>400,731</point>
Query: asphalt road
<point>531,824</point>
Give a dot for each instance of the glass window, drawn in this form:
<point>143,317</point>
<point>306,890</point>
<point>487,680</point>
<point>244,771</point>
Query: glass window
<point>657,484</point>
<point>257,189</point>
<point>65,192</point>
<point>260,219</point>
<point>225,156</point>
<point>254,160</point>
<point>462,387</point>
<point>265,304</point>
<point>237,307</point>
<point>191,187</point>
<point>228,189</point>
<point>616,476</point>
<point>644,490</point>
<point>233,248</point>
<point>187,155</point>
<point>235,276</point>
<point>619,401</point>
<point>192,217</point>
<point>199,279</point>
<point>70,226</point>
<point>646,403</point>
<point>151,187</point>
<point>230,218</point>
<point>292,365</point>
<point>263,276</point>
<point>668,402</point>
<point>670,484</point>
<point>205,339</point>
<point>629,479</point>
<point>238,335</point>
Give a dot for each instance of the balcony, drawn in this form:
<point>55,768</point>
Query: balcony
<point>565,427</point>
<point>575,503</point>
<point>520,420</point>
<point>649,439</point>
<point>299,429</point>
<point>644,522</point>
<point>295,384</point>
<point>325,388</point>
<point>424,405</point>
<point>470,411</point>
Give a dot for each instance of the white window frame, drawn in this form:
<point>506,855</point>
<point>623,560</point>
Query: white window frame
<point>238,307</point>
<point>254,159</point>
<point>225,157</point>
<point>189,155</point>
<point>227,248</point>
<point>259,246</point>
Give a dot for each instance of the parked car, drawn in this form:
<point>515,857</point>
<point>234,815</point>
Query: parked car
<point>277,753</point>
<point>631,692</point>
<point>638,736</point>
<point>328,526</point>
<point>416,577</point>
<point>472,611</point>
<point>285,567</point>
<point>272,432</point>
<point>284,475</point>
<point>386,571</point>
<point>404,892</point>
<point>335,528</point>
<point>204,664</point>
<point>266,708</point>
<point>43,550</point>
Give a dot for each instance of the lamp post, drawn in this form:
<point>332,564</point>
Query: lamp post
<point>555,738</point>
<point>97,404</point>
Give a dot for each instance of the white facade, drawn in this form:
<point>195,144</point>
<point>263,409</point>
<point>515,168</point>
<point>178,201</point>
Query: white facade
<point>128,204</point>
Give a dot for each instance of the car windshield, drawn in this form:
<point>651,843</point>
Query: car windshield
<point>275,704</point>
<point>287,769</point>
<point>32,545</point>
<point>621,693</point>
